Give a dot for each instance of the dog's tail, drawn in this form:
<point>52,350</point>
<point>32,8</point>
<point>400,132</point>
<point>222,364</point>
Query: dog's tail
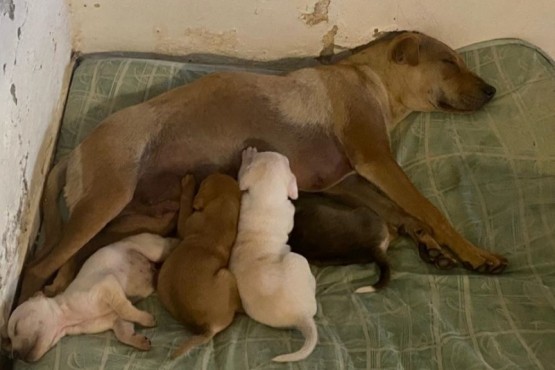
<point>308,328</point>
<point>52,218</point>
<point>385,270</point>
<point>194,341</point>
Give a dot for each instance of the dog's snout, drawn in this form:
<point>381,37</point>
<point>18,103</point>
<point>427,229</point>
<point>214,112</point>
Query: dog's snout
<point>489,91</point>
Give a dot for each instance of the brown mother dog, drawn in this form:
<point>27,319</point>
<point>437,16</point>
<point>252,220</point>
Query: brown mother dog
<point>328,120</point>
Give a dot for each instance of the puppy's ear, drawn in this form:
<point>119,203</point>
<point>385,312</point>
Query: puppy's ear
<point>406,50</point>
<point>292,189</point>
<point>198,203</point>
<point>246,178</point>
<point>248,155</point>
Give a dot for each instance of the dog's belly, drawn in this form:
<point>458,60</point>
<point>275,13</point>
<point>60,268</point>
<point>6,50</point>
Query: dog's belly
<point>316,160</point>
<point>206,127</point>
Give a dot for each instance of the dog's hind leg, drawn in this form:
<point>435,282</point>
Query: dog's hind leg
<point>89,216</point>
<point>51,217</point>
<point>125,333</point>
<point>112,293</point>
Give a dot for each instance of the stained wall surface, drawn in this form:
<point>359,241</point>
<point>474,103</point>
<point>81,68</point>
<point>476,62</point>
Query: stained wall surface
<point>270,29</point>
<point>35,51</point>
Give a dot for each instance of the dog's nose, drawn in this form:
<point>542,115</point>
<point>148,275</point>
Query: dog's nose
<point>489,91</point>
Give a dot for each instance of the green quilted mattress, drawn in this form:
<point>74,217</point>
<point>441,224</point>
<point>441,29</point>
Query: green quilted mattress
<point>492,173</point>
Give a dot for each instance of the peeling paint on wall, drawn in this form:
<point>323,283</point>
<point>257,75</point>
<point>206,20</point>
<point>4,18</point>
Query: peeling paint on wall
<point>268,30</point>
<point>319,14</point>
<point>7,7</point>
<point>328,41</point>
<point>28,100</point>
<point>195,39</point>
<point>12,91</point>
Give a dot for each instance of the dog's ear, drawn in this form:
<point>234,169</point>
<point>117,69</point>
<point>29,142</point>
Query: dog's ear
<point>247,156</point>
<point>406,50</point>
<point>198,203</point>
<point>292,189</point>
<point>246,178</point>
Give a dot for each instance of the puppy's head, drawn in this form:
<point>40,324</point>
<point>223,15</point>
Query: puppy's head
<point>433,77</point>
<point>216,186</point>
<point>29,330</point>
<point>268,171</point>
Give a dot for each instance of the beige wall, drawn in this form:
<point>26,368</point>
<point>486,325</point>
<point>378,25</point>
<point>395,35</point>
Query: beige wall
<point>35,50</point>
<point>269,29</point>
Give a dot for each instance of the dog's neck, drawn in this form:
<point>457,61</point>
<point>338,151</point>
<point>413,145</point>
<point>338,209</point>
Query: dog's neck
<point>57,319</point>
<point>374,62</point>
<point>65,315</point>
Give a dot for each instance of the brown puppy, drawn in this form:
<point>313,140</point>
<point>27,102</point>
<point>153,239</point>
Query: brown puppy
<point>194,284</point>
<point>330,121</point>
<point>331,232</point>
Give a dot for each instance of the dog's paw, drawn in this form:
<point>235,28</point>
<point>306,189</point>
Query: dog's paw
<point>147,320</point>
<point>487,263</point>
<point>248,154</point>
<point>437,256</point>
<point>365,289</point>
<point>141,342</point>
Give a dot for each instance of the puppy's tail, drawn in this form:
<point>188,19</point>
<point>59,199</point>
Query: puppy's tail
<point>194,341</point>
<point>52,219</point>
<point>308,328</point>
<point>385,270</point>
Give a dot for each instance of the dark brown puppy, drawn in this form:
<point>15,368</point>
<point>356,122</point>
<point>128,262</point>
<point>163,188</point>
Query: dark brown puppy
<point>330,232</point>
<point>194,284</point>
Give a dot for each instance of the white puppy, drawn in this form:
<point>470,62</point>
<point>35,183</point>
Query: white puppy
<point>275,285</point>
<point>96,301</point>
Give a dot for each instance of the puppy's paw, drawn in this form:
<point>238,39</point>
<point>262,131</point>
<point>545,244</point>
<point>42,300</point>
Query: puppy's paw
<point>141,342</point>
<point>147,320</point>
<point>248,154</point>
<point>365,289</point>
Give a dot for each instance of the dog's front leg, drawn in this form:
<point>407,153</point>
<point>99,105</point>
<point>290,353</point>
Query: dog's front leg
<point>366,144</point>
<point>355,191</point>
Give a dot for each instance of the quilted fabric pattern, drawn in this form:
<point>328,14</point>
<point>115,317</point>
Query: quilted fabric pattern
<point>492,173</point>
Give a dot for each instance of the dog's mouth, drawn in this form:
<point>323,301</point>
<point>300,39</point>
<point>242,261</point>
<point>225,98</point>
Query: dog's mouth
<point>465,104</point>
<point>444,106</point>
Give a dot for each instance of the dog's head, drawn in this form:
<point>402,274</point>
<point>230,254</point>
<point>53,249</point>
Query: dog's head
<point>426,75</point>
<point>268,170</point>
<point>216,186</point>
<point>29,331</point>
<point>435,78</point>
